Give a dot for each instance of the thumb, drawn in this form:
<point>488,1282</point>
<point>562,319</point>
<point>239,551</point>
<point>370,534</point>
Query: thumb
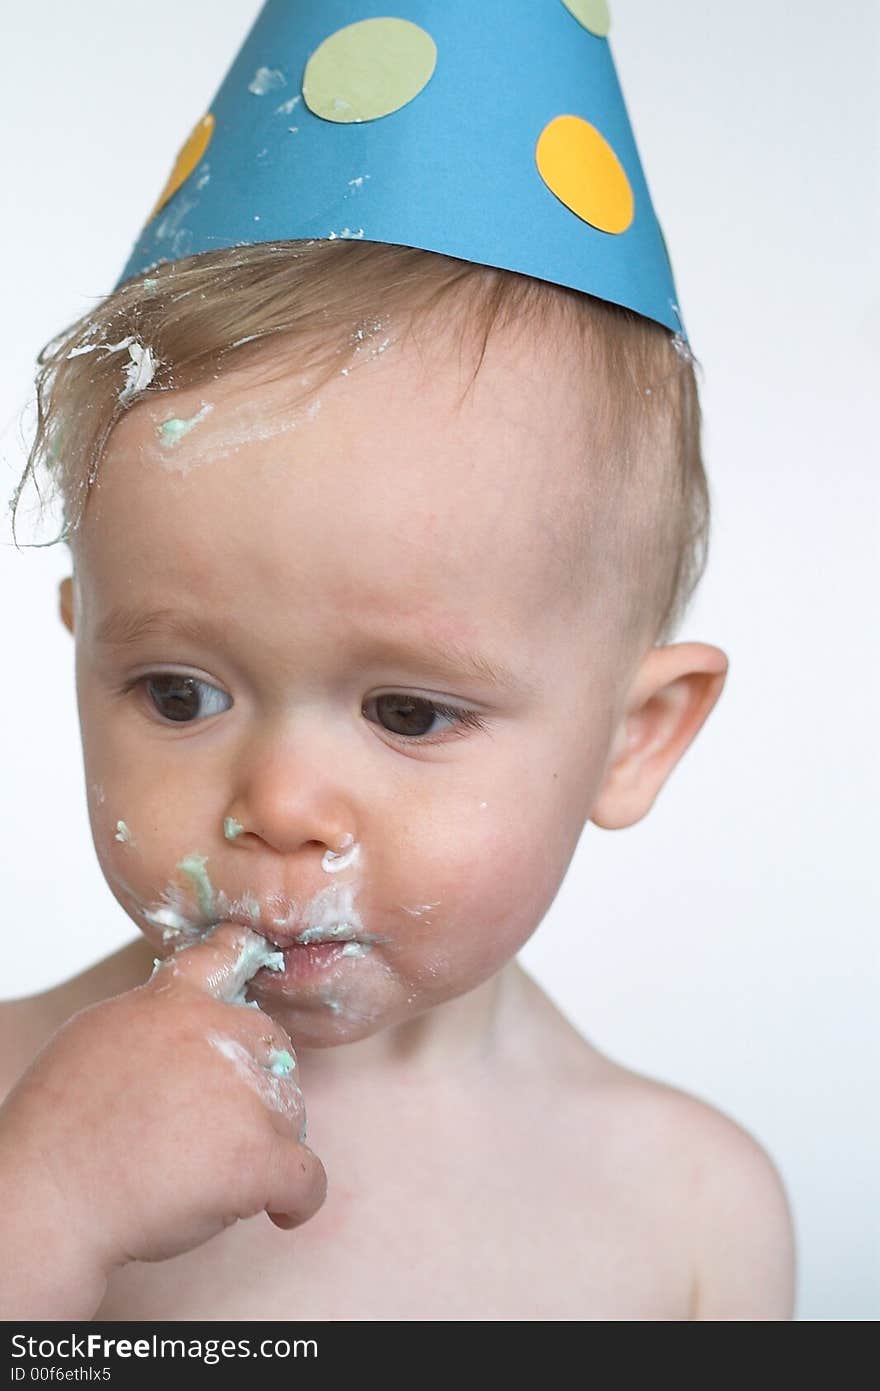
<point>223,961</point>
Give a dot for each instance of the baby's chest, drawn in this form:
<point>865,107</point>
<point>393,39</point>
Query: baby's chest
<point>531,1241</point>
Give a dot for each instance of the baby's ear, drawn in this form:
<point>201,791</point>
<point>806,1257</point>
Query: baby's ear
<point>671,696</point>
<point>65,605</point>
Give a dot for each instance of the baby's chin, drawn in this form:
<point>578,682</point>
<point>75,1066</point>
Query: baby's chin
<point>358,1007</point>
<point>357,997</point>
<point>309,1030</point>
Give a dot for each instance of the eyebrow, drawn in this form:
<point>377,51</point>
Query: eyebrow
<point>123,628</point>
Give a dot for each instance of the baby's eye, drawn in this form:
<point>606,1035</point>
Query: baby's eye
<point>413,716</point>
<point>180,698</point>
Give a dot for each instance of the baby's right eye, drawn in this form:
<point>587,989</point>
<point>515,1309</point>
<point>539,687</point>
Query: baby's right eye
<point>178,698</point>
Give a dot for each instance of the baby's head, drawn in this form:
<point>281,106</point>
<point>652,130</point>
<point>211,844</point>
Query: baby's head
<point>371,588</point>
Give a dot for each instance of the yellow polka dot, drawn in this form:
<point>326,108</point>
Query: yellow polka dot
<point>580,167</point>
<point>187,160</point>
<point>368,70</point>
<point>592,14</point>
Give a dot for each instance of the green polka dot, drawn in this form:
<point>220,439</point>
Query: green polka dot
<point>368,70</point>
<point>592,14</point>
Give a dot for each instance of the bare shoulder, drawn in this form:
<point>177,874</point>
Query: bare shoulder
<point>23,1031</point>
<point>697,1197</point>
<point>725,1192</point>
<point>744,1229</point>
<point>27,1023</point>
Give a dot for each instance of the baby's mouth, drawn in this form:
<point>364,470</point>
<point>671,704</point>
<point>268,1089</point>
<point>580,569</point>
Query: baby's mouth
<point>327,933</point>
<point>302,959</point>
<point>335,932</point>
<point>324,923</point>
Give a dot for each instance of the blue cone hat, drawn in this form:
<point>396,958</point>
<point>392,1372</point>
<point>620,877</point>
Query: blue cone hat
<point>491,131</point>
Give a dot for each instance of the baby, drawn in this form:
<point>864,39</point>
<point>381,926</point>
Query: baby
<point>376,556</point>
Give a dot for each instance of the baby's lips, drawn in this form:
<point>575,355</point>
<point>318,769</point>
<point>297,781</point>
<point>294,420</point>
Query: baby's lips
<point>223,961</point>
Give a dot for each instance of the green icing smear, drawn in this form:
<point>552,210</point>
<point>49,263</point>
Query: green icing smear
<point>170,431</point>
<point>194,867</point>
<point>54,446</point>
<point>255,952</point>
<point>232,828</point>
<point>281,1063</point>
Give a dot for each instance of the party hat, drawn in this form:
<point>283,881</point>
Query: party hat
<point>491,131</point>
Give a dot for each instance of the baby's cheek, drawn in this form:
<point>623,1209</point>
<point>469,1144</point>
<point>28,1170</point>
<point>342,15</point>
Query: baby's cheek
<point>134,829</point>
<point>498,890</point>
<point>131,860</point>
<point>118,849</point>
<point>528,881</point>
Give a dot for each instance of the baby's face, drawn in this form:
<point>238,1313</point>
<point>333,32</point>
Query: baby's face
<point>291,716</point>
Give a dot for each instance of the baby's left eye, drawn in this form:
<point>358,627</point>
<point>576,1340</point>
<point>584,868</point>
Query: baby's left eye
<point>412,717</point>
<point>179,698</point>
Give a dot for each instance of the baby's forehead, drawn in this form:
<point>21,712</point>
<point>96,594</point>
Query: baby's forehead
<point>407,462</point>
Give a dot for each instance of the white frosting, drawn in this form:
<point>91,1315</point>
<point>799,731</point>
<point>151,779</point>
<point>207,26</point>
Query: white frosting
<point>279,1093</point>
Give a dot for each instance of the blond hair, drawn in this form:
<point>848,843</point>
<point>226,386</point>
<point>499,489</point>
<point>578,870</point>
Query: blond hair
<point>645,513</point>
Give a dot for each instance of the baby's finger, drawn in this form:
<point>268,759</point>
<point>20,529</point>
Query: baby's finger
<point>222,963</point>
<point>298,1186</point>
<point>272,1076</point>
<point>272,1050</point>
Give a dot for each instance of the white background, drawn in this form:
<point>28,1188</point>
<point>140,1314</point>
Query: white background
<point>726,943</point>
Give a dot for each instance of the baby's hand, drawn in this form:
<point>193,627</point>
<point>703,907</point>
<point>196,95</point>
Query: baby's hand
<point>153,1120</point>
